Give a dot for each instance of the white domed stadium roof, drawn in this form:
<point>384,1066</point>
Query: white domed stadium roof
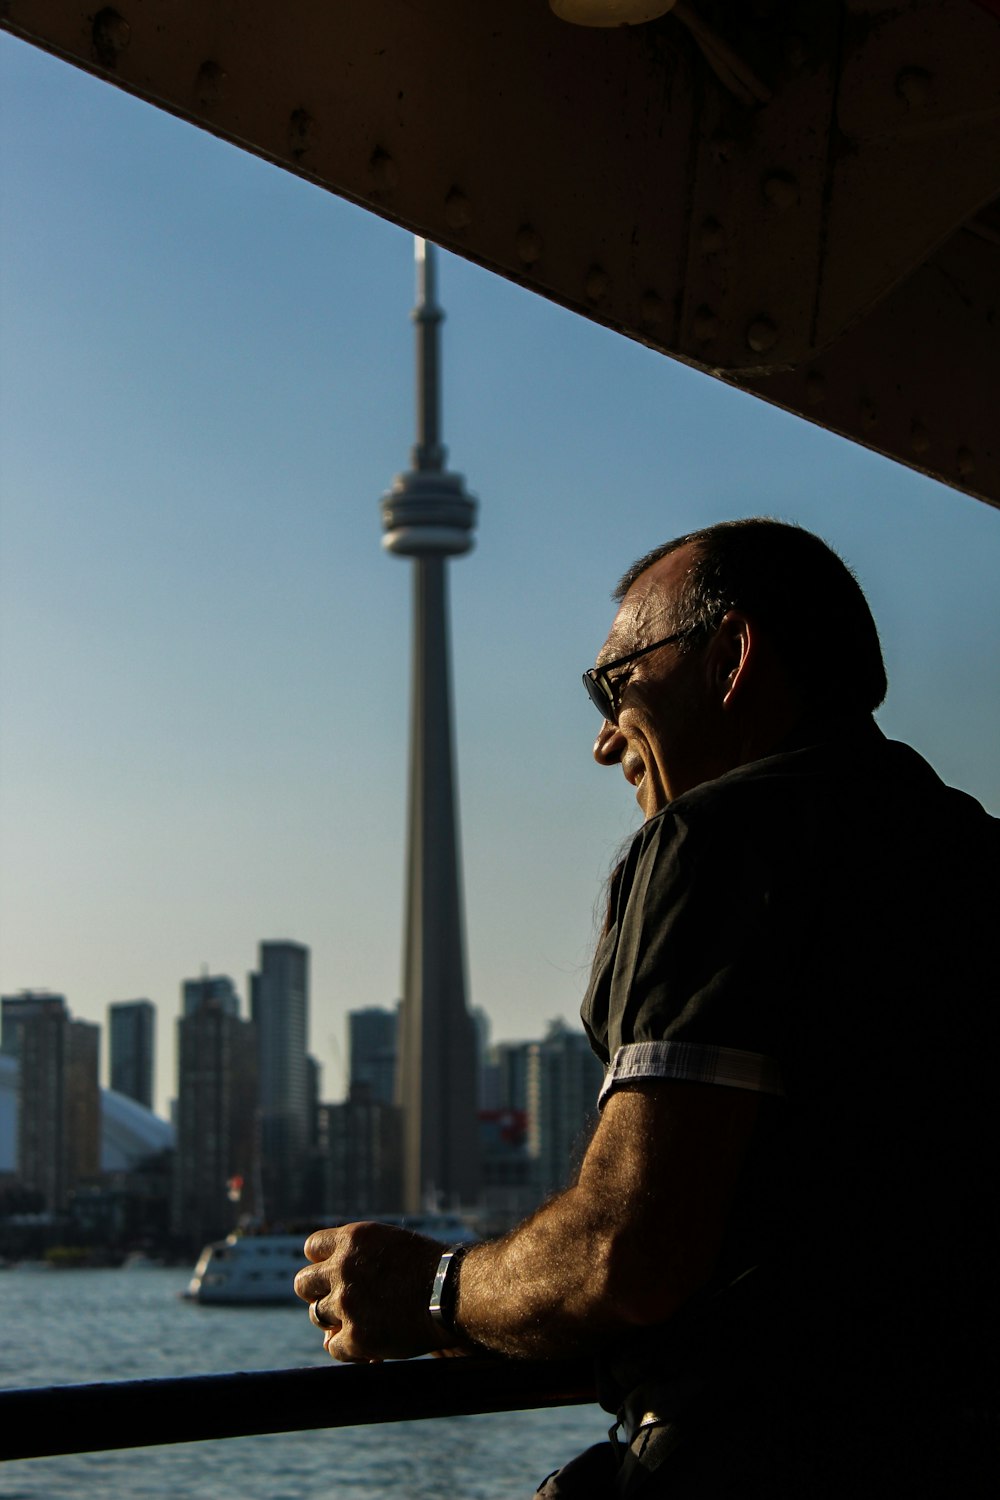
<point>129,1131</point>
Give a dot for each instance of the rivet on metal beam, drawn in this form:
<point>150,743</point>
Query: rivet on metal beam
<point>597,284</point>
<point>457,210</point>
<point>815,388</point>
<point>920,439</point>
<point>383,170</point>
<point>868,414</point>
<point>712,236</point>
<point>651,309</point>
<point>762,335</point>
<point>704,324</point>
<point>780,190</point>
<point>966,462</point>
<point>529,245</point>
<point>301,133</point>
<point>914,86</point>
<point>210,84</point>
<point>110,34</point>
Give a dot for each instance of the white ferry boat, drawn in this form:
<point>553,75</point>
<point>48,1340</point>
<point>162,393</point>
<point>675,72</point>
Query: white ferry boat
<point>250,1269</point>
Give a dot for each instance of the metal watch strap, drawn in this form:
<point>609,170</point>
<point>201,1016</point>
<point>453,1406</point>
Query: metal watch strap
<point>445,1288</point>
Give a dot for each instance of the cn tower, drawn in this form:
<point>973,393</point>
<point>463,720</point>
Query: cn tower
<point>428,517</point>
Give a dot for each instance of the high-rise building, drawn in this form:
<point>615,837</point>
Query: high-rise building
<point>428,516</point>
<point>34,1028</point>
<point>16,1008</point>
<point>279,1008</point>
<point>505,1076</point>
<point>509,1171</point>
<point>216,1116</point>
<point>217,988</point>
<point>83,1100</point>
<point>59,1111</point>
<point>511,1060</point>
<point>481,1028</point>
<point>371,1048</point>
<point>131,1042</point>
<point>563,1081</point>
<point>509,1190</point>
<point>362,1156</point>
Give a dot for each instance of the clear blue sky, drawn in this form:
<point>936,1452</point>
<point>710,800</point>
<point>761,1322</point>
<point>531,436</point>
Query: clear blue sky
<point>206,386</point>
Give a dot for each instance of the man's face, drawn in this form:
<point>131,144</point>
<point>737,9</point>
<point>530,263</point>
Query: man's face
<point>671,733</point>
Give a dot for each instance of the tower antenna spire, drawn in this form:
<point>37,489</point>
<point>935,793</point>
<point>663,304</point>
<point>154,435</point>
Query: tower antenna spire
<point>429,453</point>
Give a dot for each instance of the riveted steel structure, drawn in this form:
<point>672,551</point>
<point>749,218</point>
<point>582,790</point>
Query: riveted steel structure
<point>428,517</point>
<point>799,199</point>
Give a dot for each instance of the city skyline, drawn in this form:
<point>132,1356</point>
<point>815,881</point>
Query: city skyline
<point>64,1152</point>
<point>370,1029</point>
<point>207,378</point>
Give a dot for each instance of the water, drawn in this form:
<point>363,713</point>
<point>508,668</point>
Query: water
<point>62,1327</point>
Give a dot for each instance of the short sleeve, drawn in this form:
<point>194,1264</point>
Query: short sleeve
<point>689,978</point>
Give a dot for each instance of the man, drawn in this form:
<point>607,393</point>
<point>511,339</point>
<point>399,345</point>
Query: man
<point>782,1243</point>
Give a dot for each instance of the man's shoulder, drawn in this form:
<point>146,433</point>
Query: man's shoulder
<point>853,780</point>
<point>767,787</point>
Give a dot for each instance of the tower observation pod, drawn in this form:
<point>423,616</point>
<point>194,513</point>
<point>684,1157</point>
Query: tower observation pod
<point>427,516</point>
<point>427,513</point>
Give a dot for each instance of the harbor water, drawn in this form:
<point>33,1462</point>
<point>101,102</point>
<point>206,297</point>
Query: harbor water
<point>68,1326</point>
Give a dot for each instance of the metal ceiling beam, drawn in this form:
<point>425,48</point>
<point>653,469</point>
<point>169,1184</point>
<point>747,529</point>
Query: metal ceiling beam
<point>801,238</point>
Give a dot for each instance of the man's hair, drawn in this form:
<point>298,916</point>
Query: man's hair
<point>800,592</point>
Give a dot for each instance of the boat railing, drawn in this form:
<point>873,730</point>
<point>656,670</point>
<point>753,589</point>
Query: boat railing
<point>45,1421</point>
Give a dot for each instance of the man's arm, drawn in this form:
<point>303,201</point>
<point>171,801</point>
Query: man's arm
<point>631,1241</point>
<point>635,1236</point>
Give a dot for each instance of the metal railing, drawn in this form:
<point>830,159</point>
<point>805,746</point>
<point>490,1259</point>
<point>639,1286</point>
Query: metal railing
<point>50,1420</point>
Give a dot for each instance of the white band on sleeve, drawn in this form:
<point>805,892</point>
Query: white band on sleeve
<point>691,1062</point>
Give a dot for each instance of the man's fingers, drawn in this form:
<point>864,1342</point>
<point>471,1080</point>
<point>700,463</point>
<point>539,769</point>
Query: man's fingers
<point>341,1344</point>
<point>310,1283</point>
<point>322,1315</point>
<point>321,1244</point>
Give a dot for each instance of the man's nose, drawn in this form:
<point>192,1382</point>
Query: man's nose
<point>609,747</point>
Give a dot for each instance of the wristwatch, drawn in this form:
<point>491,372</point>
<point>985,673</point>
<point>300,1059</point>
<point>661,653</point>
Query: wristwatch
<point>444,1292</point>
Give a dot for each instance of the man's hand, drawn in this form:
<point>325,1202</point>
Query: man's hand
<point>368,1288</point>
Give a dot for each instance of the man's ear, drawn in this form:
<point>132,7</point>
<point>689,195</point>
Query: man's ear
<point>731,657</point>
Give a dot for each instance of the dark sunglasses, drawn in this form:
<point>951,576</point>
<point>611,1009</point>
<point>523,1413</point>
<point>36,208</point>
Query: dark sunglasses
<point>602,692</point>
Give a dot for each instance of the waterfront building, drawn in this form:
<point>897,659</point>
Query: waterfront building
<point>362,1143</point>
<point>58,1096</point>
<point>314,1091</point>
<point>563,1080</point>
<point>506,1076</point>
<point>481,1028</point>
<point>130,1133</point>
<point>215,988</point>
<point>508,1169</point>
<point>131,1045</point>
<point>34,1026</point>
<point>371,1051</point>
<point>120,1200</point>
<point>17,1008</point>
<point>428,517</point>
<point>216,1118</point>
<point>82,1096</point>
<point>279,1009</point>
